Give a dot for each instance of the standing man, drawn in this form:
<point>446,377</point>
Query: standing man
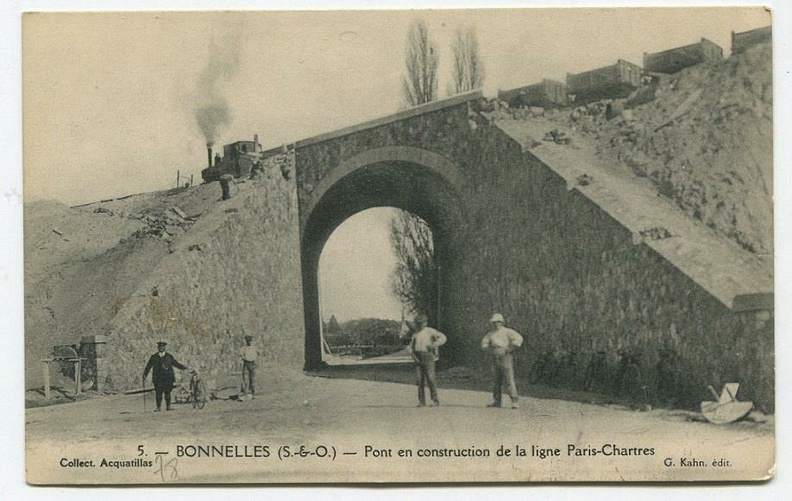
<point>423,348</point>
<point>500,343</point>
<point>163,376</point>
<point>249,354</point>
<point>225,185</point>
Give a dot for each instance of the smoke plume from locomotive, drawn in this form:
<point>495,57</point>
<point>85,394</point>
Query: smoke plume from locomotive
<point>213,112</point>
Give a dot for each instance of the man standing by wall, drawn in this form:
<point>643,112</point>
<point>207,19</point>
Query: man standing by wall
<point>423,348</point>
<point>249,354</point>
<point>500,343</point>
<point>163,376</point>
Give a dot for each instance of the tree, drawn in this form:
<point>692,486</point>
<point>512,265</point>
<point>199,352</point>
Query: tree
<point>468,69</point>
<point>332,325</point>
<point>414,279</point>
<point>373,331</point>
<point>420,83</point>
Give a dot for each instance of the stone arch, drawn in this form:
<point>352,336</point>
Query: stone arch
<point>408,154</point>
<point>407,178</point>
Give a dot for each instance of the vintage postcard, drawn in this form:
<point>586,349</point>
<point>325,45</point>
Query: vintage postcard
<point>432,246</point>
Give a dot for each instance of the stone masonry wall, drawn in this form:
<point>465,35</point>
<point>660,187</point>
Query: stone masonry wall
<point>236,272</point>
<point>569,277</point>
<point>445,132</point>
<point>565,273</point>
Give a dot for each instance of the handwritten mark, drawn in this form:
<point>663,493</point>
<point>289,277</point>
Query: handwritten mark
<point>165,469</point>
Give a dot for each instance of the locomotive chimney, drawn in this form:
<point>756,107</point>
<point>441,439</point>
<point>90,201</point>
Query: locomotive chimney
<point>209,153</point>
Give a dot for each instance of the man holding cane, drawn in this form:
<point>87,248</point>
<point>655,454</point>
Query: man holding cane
<point>161,364</point>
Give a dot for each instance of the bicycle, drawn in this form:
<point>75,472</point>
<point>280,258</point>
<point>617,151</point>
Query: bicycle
<point>198,393</point>
<point>569,373</point>
<point>556,367</point>
<point>630,379</point>
<point>545,367</point>
<point>597,373</point>
<point>667,369</point>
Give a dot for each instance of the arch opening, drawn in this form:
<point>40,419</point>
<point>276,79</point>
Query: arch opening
<point>405,185</point>
<point>376,271</point>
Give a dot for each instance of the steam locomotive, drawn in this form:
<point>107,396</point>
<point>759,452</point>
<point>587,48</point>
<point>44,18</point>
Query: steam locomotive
<point>238,158</point>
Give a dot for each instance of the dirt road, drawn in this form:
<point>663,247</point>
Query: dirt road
<point>353,430</point>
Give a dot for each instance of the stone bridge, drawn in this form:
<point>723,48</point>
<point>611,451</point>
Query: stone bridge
<point>577,259</point>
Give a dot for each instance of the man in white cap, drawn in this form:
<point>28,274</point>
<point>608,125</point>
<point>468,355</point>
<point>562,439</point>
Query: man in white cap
<point>423,348</point>
<point>500,343</point>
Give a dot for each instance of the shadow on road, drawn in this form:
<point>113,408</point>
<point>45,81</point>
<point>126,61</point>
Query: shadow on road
<point>454,406</point>
<point>460,378</point>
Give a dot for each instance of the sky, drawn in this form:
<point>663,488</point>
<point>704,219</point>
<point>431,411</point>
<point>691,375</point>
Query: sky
<point>355,266</point>
<point>110,99</point>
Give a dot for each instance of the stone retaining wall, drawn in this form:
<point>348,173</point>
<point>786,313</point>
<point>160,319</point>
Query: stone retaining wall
<point>235,272</point>
<point>570,278</point>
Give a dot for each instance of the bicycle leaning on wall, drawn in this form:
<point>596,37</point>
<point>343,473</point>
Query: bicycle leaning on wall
<point>198,393</point>
<point>630,378</point>
<point>556,367</point>
<point>597,378</point>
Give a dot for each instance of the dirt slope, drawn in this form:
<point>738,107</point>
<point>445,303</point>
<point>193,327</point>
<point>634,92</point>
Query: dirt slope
<point>703,137</point>
<point>82,264</point>
<point>220,269</point>
<point>56,235</point>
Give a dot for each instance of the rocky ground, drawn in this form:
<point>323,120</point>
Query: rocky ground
<point>703,137</point>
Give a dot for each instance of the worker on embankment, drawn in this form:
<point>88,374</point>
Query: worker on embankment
<point>225,185</point>
<point>257,171</point>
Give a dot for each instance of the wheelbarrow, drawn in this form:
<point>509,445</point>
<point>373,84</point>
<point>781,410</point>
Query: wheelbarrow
<point>726,408</point>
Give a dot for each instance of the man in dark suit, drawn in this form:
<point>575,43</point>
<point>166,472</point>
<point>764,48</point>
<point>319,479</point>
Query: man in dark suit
<point>161,364</point>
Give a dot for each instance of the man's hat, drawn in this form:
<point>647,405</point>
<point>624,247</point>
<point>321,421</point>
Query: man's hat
<point>497,317</point>
<point>421,318</point>
<point>249,337</point>
<point>161,343</point>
